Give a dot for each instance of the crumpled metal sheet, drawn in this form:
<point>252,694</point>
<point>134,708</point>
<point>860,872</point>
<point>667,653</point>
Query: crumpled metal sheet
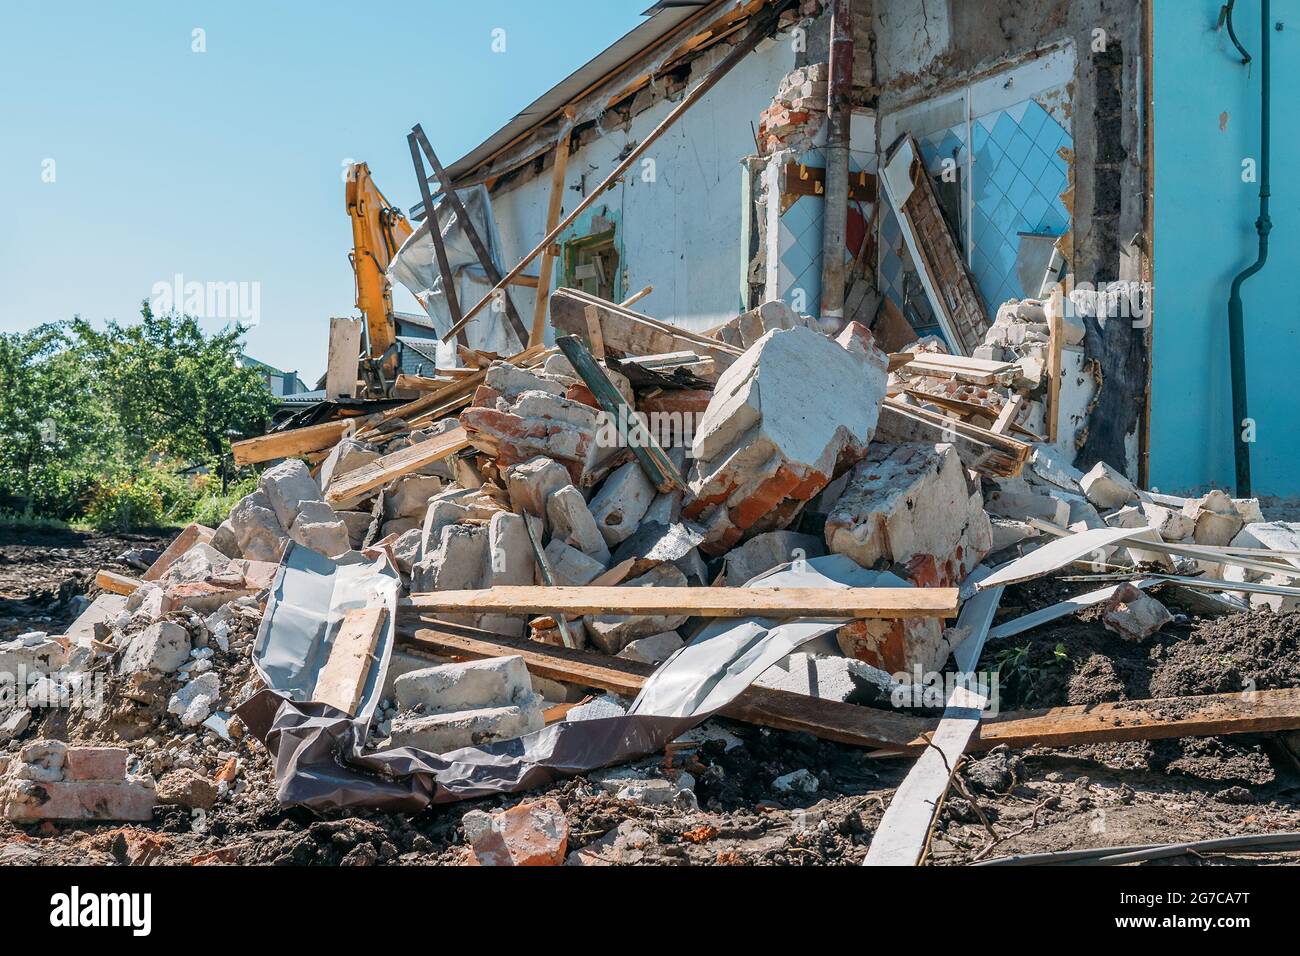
<point>319,764</point>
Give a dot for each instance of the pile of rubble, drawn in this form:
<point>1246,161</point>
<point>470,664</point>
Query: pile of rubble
<point>635,455</point>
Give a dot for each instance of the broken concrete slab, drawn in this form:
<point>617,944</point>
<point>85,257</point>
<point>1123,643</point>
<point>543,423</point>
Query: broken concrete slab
<point>572,522</point>
<point>286,486</point>
<point>531,483</point>
<point>161,647</point>
<point>570,566</point>
<point>319,528</point>
<point>763,552</point>
<point>654,649</point>
<point>622,502</point>
<point>446,688</point>
<point>791,413</point>
<point>445,732</point>
<point>829,677</point>
<point>49,780</point>
<point>257,531</point>
<point>456,563</point>
<point>912,505</point>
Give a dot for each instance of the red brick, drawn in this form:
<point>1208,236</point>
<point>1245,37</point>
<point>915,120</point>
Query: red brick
<point>529,834</point>
<point>95,763</point>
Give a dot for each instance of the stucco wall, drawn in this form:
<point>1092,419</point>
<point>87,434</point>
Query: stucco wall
<point>1207,120</point>
<point>679,231</point>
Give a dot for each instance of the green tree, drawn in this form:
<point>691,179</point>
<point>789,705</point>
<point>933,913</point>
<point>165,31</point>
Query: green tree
<point>57,436</point>
<point>176,391</point>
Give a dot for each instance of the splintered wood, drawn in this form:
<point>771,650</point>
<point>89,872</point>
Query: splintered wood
<point>342,680</point>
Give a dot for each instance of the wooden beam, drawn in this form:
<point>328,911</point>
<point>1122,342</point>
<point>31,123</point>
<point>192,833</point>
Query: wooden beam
<point>356,484</point>
<point>343,678</point>
<point>980,449</point>
<point>298,441</point>
<point>1056,342</point>
<point>762,25</point>
<point>654,461</point>
<point>703,602</point>
<point>1009,414</point>
<point>780,710</point>
<point>1209,715</point>
<point>553,209</point>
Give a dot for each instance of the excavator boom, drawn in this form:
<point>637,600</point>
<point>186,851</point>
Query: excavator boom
<point>378,230</point>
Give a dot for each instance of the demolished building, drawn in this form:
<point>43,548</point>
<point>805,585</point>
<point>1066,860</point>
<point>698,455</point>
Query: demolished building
<point>769,453</point>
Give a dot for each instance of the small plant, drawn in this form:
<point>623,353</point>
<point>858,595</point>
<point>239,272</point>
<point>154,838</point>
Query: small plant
<point>1021,677</point>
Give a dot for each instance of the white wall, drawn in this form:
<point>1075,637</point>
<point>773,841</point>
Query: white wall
<point>681,232</point>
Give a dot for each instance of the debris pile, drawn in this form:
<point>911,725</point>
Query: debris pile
<point>527,510</point>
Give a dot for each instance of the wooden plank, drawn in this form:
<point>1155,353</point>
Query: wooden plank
<point>290,444</point>
<point>1056,341</point>
<point>980,449</point>
<point>191,535</point>
<point>1010,412</point>
<point>356,484</point>
<point>553,209</point>
<point>1209,715</point>
<point>344,354</point>
<point>704,602</point>
<point>115,583</point>
<point>343,678</point>
<point>654,460</point>
<point>780,710</point>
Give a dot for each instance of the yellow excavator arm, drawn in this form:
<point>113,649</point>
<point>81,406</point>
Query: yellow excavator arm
<point>378,230</point>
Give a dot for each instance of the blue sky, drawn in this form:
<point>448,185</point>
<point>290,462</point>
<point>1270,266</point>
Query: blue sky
<point>225,165</point>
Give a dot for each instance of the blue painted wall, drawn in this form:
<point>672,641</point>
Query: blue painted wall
<point>1206,122</point>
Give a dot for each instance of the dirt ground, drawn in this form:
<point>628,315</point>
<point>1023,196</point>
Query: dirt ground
<point>1024,802</point>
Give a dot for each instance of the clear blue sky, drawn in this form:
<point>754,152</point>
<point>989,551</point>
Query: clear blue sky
<point>226,165</point>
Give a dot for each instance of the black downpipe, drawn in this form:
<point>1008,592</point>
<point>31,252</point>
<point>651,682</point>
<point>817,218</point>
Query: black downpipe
<point>1263,225</point>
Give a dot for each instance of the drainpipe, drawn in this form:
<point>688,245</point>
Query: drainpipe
<point>838,113</point>
<point>1263,225</point>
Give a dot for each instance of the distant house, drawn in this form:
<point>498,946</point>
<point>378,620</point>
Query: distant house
<point>280,383</point>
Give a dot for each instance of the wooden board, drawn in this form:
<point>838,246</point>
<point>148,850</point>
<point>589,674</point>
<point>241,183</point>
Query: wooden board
<point>343,678</point>
<point>191,535</point>
<point>704,602</point>
<point>1209,715</point>
<point>980,449</point>
<point>356,484</point>
<point>298,441</point>
<point>554,207</point>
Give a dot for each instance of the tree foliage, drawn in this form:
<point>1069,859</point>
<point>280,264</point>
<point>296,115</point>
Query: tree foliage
<point>90,415</point>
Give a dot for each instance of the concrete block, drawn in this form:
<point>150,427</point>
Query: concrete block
<point>458,562</point>
<point>442,733</point>
<point>29,801</point>
<point>531,483</point>
<point>162,647</point>
<point>287,485</point>
<point>408,497</point>
<point>538,423</point>
<point>1107,488</point>
<point>407,549</point>
<point>912,505</point>
<point>319,528</point>
<point>257,530</point>
<point>446,688</point>
<point>1216,529</point>
<point>572,522</point>
<point>654,649</point>
<point>783,418</point>
<point>510,553</point>
<point>357,524</point>
<point>622,502</point>
<point>828,677</point>
<point>193,702</point>
<point>1172,525</point>
<point>225,540</point>
<point>35,655</point>
<point>570,566</point>
<point>348,455</point>
<point>611,634</point>
<point>1133,614</point>
<point>1007,532</point>
<point>765,551</point>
